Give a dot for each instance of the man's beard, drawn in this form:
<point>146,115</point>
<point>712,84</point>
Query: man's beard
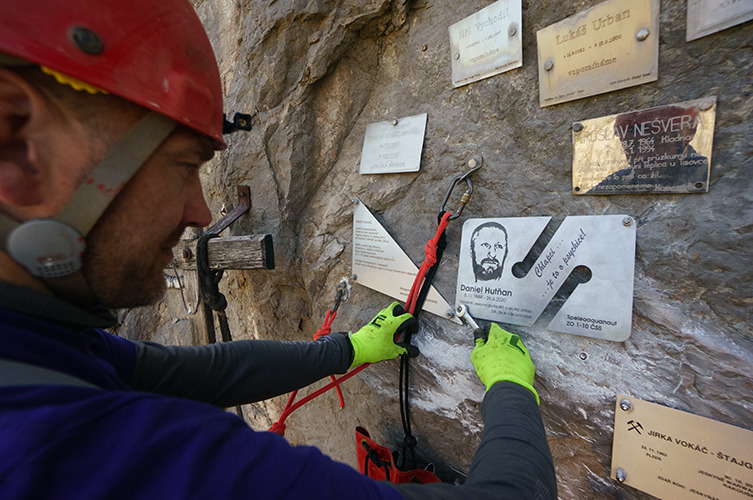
<point>130,283</point>
<point>483,273</point>
<point>123,280</point>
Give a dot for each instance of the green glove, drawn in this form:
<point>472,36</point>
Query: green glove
<point>376,341</point>
<point>500,355</point>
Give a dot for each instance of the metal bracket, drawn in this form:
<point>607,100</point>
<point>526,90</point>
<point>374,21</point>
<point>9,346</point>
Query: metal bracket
<point>244,205</point>
<point>241,121</point>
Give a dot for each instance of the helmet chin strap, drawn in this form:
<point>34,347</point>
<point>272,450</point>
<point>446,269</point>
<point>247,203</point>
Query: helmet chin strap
<point>53,249</point>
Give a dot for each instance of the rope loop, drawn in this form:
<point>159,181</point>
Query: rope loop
<point>209,278</point>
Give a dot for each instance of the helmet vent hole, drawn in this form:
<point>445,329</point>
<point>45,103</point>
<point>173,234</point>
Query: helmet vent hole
<point>86,40</point>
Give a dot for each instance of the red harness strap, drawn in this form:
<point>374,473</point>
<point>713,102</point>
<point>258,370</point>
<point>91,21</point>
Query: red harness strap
<point>377,462</point>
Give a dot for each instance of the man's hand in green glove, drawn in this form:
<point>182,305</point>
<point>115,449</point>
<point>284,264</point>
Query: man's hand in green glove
<point>376,341</point>
<point>500,355</point>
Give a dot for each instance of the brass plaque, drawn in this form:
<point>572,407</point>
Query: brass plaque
<point>674,454</point>
<point>709,16</point>
<point>487,43</point>
<point>610,46</point>
<point>658,150</point>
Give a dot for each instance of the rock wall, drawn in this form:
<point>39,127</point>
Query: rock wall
<point>315,73</point>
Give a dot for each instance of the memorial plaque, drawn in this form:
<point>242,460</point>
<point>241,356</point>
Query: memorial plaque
<point>393,146</point>
<point>709,16</point>
<point>487,43</point>
<point>495,285</point>
<point>380,264</point>
<point>674,454</point>
<point>610,46</point>
<point>658,150</point>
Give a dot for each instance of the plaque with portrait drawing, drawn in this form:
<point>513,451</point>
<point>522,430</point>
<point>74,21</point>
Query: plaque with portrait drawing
<point>508,273</point>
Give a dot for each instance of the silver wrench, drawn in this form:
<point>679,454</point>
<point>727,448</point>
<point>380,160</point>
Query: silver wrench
<point>465,316</point>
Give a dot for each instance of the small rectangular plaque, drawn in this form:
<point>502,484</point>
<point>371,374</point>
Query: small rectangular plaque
<point>380,264</point>
<point>709,16</point>
<point>674,454</point>
<point>393,146</point>
<point>610,46</point>
<point>666,149</point>
<point>486,43</point>
<point>495,285</point>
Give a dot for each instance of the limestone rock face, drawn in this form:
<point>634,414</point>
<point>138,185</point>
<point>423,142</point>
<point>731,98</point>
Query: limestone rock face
<point>314,73</point>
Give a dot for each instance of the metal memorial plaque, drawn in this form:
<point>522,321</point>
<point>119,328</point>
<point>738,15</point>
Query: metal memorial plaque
<point>393,146</point>
<point>709,16</point>
<point>658,150</point>
<point>674,454</point>
<point>501,279</point>
<point>380,264</point>
<point>487,43</point>
<point>610,46</point>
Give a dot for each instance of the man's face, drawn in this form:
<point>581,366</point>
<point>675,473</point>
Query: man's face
<point>489,248</point>
<point>132,242</point>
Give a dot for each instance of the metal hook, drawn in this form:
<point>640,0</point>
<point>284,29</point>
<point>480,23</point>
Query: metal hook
<point>343,292</point>
<point>475,164</point>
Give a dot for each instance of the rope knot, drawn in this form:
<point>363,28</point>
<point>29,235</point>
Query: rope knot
<point>431,253</point>
<point>321,332</point>
<point>278,428</point>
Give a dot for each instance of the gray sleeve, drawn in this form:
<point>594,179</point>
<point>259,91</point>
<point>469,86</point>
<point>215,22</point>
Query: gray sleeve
<point>239,372</point>
<point>513,459</point>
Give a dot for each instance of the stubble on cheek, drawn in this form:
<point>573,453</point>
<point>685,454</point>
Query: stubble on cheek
<point>124,280</point>
<point>123,262</point>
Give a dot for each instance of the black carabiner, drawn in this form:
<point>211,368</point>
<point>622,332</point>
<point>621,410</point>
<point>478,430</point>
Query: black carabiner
<point>475,164</point>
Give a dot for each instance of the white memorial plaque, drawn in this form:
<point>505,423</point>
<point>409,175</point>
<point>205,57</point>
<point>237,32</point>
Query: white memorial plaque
<point>487,43</point>
<point>492,251</point>
<point>380,264</point>
<point>394,146</point>
<point>610,46</point>
<point>674,454</point>
<point>709,16</point>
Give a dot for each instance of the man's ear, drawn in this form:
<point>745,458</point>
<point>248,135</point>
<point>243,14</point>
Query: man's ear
<point>20,176</point>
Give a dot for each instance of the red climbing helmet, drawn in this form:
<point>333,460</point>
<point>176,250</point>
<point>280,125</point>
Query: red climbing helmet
<point>153,53</point>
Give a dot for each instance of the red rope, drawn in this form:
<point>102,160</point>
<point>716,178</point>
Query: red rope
<point>326,329</point>
<point>279,426</point>
<point>431,259</point>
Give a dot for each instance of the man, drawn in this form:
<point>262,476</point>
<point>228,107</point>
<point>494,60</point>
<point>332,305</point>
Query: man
<point>488,251</point>
<point>107,110</point>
